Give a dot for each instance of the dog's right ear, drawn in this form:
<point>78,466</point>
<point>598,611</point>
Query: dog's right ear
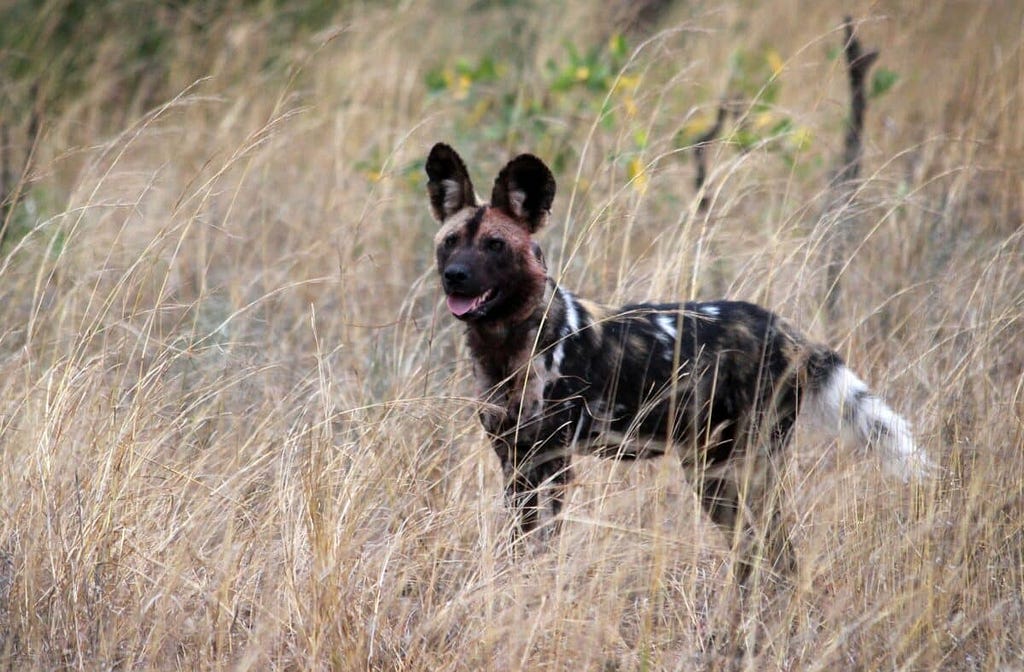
<point>524,190</point>
<point>449,185</point>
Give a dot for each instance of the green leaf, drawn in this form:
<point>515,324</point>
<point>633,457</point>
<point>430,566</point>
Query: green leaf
<point>607,116</point>
<point>769,93</point>
<point>486,70</point>
<point>745,139</point>
<point>781,127</point>
<point>435,81</point>
<point>617,46</point>
<point>464,67</point>
<point>882,81</point>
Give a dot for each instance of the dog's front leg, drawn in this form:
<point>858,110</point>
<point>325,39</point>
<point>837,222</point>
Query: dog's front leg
<point>532,474</point>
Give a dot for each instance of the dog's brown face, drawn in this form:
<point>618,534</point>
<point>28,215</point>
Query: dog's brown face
<point>490,268</point>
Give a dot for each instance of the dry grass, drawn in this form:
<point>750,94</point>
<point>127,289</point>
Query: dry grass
<point>235,424</point>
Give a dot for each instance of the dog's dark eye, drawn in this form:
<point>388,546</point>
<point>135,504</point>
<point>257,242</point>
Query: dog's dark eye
<point>495,245</point>
<point>450,240</point>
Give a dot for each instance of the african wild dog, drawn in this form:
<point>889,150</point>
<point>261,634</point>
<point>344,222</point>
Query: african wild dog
<point>720,381</point>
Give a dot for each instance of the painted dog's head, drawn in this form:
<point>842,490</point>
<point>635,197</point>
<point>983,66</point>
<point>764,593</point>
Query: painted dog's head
<point>491,270</point>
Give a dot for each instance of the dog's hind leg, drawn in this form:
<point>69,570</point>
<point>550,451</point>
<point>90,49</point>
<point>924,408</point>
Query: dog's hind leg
<point>744,499</point>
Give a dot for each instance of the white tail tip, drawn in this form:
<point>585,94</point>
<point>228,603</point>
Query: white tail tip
<point>845,406</point>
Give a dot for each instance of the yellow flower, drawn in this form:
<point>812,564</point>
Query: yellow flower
<point>478,112</point>
<point>582,73</point>
<point>801,138</point>
<point>637,174</point>
<point>627,83</point>
<point>763,120</point>
<point>774,61</point>
<point>697,126</point>
<point>462,87</point>
<point>630,106</point>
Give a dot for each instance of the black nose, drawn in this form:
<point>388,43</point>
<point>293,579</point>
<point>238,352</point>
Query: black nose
<point>456,274</point>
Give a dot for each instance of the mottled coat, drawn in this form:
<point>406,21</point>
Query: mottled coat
<point>718,383</point>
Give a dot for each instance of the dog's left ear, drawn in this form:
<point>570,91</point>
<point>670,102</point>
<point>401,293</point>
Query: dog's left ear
<point>448,183</point>
<point>524,190</point>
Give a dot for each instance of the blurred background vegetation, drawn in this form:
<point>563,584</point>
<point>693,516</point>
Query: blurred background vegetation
<point>100,65</point>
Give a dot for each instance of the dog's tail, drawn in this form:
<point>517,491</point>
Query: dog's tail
<point>842,404</point>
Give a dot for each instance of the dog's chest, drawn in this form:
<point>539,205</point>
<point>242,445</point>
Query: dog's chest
<point>514,396</point>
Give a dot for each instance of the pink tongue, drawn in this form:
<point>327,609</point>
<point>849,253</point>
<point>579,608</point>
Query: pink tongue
<point>460,305</point>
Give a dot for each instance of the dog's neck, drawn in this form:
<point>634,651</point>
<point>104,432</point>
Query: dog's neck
<point>499,347</point>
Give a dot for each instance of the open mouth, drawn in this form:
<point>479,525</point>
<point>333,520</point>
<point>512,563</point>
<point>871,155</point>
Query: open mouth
<point>466,306</point>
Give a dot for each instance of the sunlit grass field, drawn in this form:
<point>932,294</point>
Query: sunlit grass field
<point>237,425</point>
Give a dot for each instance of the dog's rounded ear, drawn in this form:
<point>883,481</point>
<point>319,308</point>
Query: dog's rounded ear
<point>524,190</point>
<point>448,182</point>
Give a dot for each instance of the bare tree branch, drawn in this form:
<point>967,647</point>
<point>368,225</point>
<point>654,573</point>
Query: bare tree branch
<point>858,62</point>
<point>843,183</point>
<point>700,154</point>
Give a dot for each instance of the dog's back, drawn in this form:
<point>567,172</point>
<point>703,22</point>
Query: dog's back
<point>709,378</point>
